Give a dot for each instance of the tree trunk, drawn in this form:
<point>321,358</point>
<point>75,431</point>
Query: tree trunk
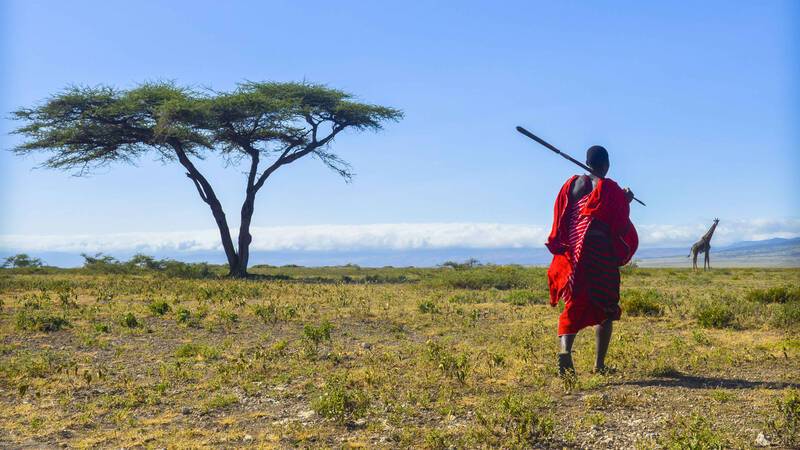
<point>245,238</point>
<point>206,193</point>
<point>225,235</point>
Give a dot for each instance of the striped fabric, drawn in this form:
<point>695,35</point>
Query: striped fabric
<point>599,272</point>
<point>577,225</point>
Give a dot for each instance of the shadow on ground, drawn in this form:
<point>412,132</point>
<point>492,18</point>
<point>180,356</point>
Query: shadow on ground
<point>697,382</point>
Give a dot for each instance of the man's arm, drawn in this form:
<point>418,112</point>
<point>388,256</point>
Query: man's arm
<point>628,194</point>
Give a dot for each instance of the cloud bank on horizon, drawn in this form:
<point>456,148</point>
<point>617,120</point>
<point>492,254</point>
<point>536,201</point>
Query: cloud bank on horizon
<point>390,236</point>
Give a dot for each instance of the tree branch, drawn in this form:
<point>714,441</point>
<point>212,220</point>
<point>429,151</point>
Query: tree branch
<point>287,157</point>
<point>251,177</point>
<point>199,188</point>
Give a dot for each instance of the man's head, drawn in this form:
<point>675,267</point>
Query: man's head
<point>597,160</point>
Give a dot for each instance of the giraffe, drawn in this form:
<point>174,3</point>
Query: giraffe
<point>703,246</point>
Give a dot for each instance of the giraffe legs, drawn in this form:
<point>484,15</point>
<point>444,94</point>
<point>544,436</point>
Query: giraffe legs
<point>694,260</point>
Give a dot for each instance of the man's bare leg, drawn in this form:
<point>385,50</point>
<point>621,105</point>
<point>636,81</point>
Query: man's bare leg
<point>602,340</point>
<point>565,366</point>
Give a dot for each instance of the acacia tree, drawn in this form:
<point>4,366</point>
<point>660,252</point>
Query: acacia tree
<point>263,126</point>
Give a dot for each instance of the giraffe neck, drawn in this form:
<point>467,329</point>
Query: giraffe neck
<point>710,232</point>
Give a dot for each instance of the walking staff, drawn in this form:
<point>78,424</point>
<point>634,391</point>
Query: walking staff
<point>566,156</point>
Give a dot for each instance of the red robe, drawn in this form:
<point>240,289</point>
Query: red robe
<point>607,203</point>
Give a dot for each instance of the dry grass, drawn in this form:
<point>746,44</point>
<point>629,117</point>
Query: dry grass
<point>392,358</point>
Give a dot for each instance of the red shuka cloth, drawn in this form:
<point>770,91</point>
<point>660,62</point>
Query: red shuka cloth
<point>607,203</point>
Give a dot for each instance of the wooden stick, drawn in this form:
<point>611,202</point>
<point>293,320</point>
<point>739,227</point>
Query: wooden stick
<point>564,155</point>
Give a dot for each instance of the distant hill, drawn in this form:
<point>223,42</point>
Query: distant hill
<point>767,253</point>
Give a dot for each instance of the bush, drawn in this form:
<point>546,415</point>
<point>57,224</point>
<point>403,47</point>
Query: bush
<point>129,320</point>
<point>198,351</point>
<point>268,312</point>
<point>487,277</point>
<point>452,366</point>
<point>101,263</point>
<point>787,426</point>
<point>516,421</point>
<point>786,315</point>
<point>219,401</point>
<point>185,317</point>
<point>21,260</point>
<point>714,314</point>
<point>428,307</point>
<point>179,269</point>
<point>139,263</point>
<point>693,433</point>
<point>469,298</point>
<point>340,400</point>
<point>783,294</point>
<point>642,303</point>
<point>522,297</point>
<point>159,307</point>
<point>317,334</point>
<point>468,264</point>
<point>36,320</point>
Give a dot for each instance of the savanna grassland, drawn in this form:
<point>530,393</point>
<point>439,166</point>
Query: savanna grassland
<point>432,358</point>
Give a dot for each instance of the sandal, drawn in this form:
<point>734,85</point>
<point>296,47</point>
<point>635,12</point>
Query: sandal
<point>565,366</point>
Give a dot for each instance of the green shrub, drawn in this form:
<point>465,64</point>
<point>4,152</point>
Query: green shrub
<point>693,433</point>
<point>159,307</point>
<point>198,351</point>
<point>517,423</point>
<point>37,320</point>
<point>100,263</point>
<point>523,297</point>
<point>268,312</point>
<point>468,297</point>
<point>487,277</point>
<point>784,294</point>
<point>38,364</point>
<point>128,320</point>
<point>315,335</point>
<point>786,426</point>
<point>786,315</point>
<point>642,302</point>
<point>452,366</point>
<point>219,401</point>
<point>340,400</point>
<point>428,307</point>
<point>21,260</point>
<point>714,314</point>
<point>183,315</point>
<point>179,269</point>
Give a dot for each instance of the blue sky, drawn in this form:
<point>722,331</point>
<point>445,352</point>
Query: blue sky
<point>697,102</point>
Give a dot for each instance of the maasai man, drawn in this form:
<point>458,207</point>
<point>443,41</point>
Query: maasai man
<point>592,236</point>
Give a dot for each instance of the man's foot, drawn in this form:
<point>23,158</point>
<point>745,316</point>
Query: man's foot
<point>605,370</point>
<point>565,366</point>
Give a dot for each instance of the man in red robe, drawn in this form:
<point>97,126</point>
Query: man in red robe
<point>592,236</point>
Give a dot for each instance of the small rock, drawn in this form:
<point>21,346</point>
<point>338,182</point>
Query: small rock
<point>762,440</point>
<point>65,433</point>
<point>186,410</point>
<point>247,438</point>
<point>366,345</point>
<point>305,414</point>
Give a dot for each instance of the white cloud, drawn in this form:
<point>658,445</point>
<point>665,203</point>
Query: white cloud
<point>398,236</point>
<point>727,232</point>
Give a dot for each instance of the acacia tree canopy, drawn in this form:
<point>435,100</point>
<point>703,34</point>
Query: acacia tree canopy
<point>263,125</point>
